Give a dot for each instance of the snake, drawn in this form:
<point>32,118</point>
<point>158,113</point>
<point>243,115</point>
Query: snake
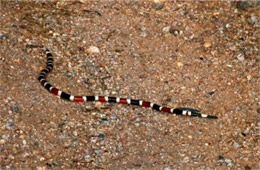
<point>85,98</point>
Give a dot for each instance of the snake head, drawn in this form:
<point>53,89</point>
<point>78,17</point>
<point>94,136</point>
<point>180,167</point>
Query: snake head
<point>191,112</point>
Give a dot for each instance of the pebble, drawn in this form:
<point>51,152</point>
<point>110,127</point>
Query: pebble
<point>98,150</point>
<point>75,133</point>
<point>228,162</point>
<point>143,28</point>
<point>253,19</point>
<point>241,57</point>
<point>221,30</point>
<point>88,154</point>
<point>174,31</point>
<point>5,136</point>
<point>26,154</point>
<point>67,53</point>
<point>47,25</point>
<point>105,120</point>
<point>24,142</point>
<point>143,34</point>
<point>236,145</point>
<point>167,168</point>
<point>158,6</point>
<point>56,34</point>
<point>42,158</point>
<point>207,44</point>
<point>166,29</point>
<point>249,77</point>
<point>243,134</point>
<point>211,92</point>
<point>9,124</point>
<point>3,36</point>
<point>101,135</point>
<point>246,131</point>
<point>221,158</point>
<point>180,64</point>
<point>93,50</point>
<point>228,25</point>
<point>15,108</point>
<point>2,141</point>
<point>70,74</point>
<point>258,110</point>
<point>185,160</point>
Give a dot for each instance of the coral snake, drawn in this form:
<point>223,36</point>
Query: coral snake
<point>178,111</point>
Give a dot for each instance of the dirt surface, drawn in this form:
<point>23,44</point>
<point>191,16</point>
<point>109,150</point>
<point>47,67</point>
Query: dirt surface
<point>203,55</point>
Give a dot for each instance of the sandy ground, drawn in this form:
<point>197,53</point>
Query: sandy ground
<point>203,55</point>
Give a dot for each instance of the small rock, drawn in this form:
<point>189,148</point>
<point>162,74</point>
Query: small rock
<point>207,44</point>
<point>151,68</point>
<point>243,134</point>
<point>88,154</point>
<point>81,48</point>
<point>24,142</point>
<point>15,108</point>
<point>42,158</point>
<point>143,28</point>
<point>230,66</point>
<point>47,24</point>
<point>220,158</point>
<point>246,131</point>
<point>241,57</point>
<point>236,145</point>
<point>93,49</point>
<point>158,6</point>
<point>2,141</point>
<point>174,31</point>
<point>5,136</point>
<point>3,36</point>
<point>98,150</point>
<point>75,133</point>
<point>180,64</point>
<point>9,124</point>
<point>56,34</point>
<point>249,77</point>
<point>253,19</point>
<point>67,53</point>
<point>228,25</point>
<point>211,92</point>
<point>101,135</point>
<point>70,74</point>
<point>185,160</point>
<point>258,110</point>
<point>166,29</point>
<point>143,34</point>
<point>114,117</point>
<point>167,168</point>
<point>228,162</point>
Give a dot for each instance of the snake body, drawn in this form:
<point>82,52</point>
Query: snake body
<point>178,111</point>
